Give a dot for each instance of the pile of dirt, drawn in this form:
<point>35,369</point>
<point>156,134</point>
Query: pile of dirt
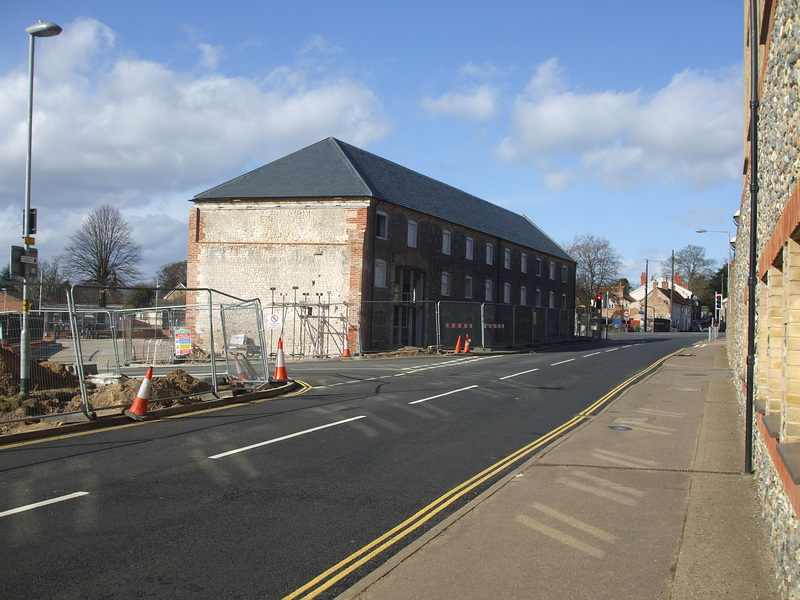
<point>177,387</point>
<point>46,375</point>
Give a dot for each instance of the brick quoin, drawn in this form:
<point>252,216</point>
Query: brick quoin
<point>357,226</point>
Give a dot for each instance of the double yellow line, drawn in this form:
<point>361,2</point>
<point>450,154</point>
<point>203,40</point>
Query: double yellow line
<point>359,558</point>
<point>587,411</point>
<point>342,569</point>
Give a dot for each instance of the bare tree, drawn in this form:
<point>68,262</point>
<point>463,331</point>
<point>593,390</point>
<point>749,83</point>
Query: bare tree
<point>52,280</point>
<point>171,275</point>
<point>693,267</point>
<point>598,265</point>
<point>103,252</point>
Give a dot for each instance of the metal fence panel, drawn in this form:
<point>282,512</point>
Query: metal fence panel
<point>243,338</point>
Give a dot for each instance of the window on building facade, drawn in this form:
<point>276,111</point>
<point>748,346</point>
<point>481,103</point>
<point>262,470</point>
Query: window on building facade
<point>380,273</point>
<point>563,302</point>
<point>446,236</point>
<point>538,267</point>
<point>488,295</point>
<point>468,287</point>
<point>552,270</point>
<point>382,225</point>
<point>552,300</point>
<point>470,245</point>
<point>523,295</point>
<point>524,263</point>
<point>507,293</point>
<point>507,258</point>
<point>564,274</point>
<point>489,254</point>
<point>538,297</point>
<point>445,284</point>
<point>412,234</point>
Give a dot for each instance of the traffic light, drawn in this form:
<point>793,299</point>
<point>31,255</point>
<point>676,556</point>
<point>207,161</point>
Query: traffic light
<point>718,301</point>
<point>598,302</point>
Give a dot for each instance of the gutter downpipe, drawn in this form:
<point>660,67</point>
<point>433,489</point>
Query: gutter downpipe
<point>751,280</point>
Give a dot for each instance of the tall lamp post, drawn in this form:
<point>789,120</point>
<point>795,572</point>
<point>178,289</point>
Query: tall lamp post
<point>40,29</point>
<point>728,266</point>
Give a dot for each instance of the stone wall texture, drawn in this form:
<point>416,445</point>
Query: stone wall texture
<point>776,224</point>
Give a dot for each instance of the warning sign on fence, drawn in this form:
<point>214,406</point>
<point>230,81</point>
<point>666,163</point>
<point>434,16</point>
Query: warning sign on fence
<point>183,342</point>
<point>275,321</point>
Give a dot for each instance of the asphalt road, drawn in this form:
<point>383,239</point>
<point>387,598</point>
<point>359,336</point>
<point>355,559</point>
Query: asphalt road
<point>260,500</point>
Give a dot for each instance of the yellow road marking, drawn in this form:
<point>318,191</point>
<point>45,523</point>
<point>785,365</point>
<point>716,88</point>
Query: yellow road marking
<point>365,554</point>
<point>346,566</point>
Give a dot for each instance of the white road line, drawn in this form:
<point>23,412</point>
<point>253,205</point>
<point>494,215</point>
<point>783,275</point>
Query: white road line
<point>562,362</point>
<point>285,437</point>
<point>521,373</point>
<point>14,511</point>
<point>445,394</point>
<point>592,354</point>
<point>612,349</point>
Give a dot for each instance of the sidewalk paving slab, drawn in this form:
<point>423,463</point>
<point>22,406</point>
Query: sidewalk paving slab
<point>646,500</point>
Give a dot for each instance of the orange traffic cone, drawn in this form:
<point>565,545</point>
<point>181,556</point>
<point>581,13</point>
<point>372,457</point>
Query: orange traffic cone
<point>138,410</point>
<point>346,351</point>
<point>466,346</point>
<point>240,372</point>
<point>458,345</point>
<point>280,365</point>
<point>133,351</point>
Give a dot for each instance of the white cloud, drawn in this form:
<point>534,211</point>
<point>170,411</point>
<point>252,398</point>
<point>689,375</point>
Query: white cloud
<point>688,132</point>
<point>484,71</point>
<point>477,104</point>
<point>210,55</point>
<point>112,128</point>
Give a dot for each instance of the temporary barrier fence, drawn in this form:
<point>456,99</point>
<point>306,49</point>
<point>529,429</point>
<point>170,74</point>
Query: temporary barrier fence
<point>71,342</point>
<point>388,325</point>
<point>308,328</point>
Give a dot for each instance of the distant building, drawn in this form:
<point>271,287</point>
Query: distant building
<point>336,220</point>
<point>665,300</point>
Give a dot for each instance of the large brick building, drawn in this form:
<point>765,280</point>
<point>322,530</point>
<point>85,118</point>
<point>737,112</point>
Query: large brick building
<point>336,220</point>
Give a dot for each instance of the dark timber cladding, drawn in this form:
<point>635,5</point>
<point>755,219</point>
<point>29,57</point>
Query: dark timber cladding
<point>332,168</point>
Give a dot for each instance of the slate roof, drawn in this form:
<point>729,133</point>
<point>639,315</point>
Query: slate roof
<point>332,168</point>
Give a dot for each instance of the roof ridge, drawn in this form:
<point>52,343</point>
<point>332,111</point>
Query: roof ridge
<point>339,144</point>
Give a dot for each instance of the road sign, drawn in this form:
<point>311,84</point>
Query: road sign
<point>275,321</point>
<point>24,262</point>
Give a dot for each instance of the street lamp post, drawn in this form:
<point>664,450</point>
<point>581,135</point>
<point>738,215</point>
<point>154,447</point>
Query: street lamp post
<point>727,266</point>
<point>40,29</point>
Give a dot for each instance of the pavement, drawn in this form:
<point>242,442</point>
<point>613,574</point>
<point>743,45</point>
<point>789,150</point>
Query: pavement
<point>646,500</point>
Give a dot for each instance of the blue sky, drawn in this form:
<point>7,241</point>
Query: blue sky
<point>619,119</point>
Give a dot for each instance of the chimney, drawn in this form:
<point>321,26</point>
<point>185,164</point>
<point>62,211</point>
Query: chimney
<point>644,279</point>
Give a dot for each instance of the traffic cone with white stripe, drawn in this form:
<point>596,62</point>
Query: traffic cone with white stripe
<point>241,373</point>
<point>466,346</point>
<point>458,345</point>
<point>346,351</point>
<point>138,410</point>
<point>280,364</point>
